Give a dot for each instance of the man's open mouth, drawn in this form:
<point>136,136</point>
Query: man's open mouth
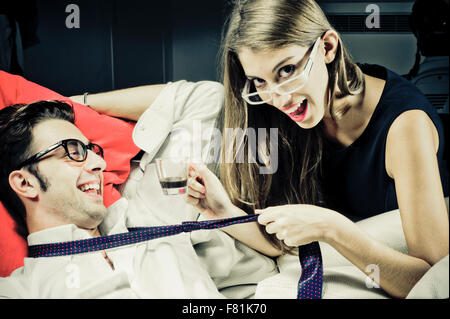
<point>90,189</point>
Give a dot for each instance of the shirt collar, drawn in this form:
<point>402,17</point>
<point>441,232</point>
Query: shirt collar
<point>113,223</point>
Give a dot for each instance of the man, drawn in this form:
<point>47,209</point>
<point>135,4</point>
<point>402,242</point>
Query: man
<point>57,175</point>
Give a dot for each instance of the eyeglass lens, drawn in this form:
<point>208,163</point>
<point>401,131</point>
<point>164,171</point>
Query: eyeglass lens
<point>76,151</point>
<point>285,87</point>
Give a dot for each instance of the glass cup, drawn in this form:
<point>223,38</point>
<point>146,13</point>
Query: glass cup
<point>172,175</point>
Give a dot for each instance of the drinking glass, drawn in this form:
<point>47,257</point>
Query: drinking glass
<point>172,175</point>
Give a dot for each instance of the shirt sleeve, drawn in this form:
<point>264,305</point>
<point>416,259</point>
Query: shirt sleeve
<point>14,286</point>
<point>180,120</point>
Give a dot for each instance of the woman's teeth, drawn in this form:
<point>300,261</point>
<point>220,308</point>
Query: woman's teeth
<point>300,109</point>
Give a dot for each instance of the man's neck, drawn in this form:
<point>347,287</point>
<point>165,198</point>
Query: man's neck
<point>94,232</point>
<point>36,225</point>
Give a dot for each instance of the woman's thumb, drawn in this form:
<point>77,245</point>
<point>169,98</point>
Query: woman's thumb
<point>198,169</point>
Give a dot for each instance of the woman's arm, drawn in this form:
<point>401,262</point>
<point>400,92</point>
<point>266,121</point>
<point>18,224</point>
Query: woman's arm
<point>398,272</point>
<point>299,225</point>
<point>411,149</point>
<point>411,161</point>
<point>210,198</point>
<point>127,103</point>
<point>250,234</point>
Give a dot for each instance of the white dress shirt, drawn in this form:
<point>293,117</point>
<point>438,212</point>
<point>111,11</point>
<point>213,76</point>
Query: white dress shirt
<point>180,119</point>
<point>161,268</point>
<point>189,110</point>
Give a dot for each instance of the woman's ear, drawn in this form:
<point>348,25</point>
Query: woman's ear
<point>24,184</point>
<point>330,44</point>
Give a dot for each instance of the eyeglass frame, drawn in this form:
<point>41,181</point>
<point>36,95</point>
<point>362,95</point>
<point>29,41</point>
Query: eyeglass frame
<point>305,73</point>
<point>62,143</point>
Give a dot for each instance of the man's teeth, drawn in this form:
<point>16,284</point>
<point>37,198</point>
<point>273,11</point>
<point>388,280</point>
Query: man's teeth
<point>84,188</point>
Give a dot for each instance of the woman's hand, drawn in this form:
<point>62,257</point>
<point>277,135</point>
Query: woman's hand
<point>299,224</point>
<point>206,193</point>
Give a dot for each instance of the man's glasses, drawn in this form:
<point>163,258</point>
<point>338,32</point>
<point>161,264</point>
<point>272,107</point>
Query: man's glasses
<point>285,88</point>
<point>76,150</point>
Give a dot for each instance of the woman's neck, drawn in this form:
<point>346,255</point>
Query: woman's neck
<point>351,125</point>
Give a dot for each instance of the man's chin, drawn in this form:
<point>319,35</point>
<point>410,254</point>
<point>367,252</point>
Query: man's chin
<point>98,214</point>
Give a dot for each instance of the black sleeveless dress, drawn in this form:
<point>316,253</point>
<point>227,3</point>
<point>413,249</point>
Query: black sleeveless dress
<point>354,178</point>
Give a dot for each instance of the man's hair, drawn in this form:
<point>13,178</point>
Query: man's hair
<point>16,131</point>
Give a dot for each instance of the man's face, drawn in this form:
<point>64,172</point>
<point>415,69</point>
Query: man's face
<point>74,192</point>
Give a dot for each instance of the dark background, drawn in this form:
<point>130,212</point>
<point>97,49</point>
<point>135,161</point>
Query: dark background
<point>124,43</point>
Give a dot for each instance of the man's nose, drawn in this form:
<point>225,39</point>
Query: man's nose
<point>94,162</point>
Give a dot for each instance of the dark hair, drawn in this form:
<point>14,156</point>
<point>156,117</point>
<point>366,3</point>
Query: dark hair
<point>429,23</point>
<point>16,131</point>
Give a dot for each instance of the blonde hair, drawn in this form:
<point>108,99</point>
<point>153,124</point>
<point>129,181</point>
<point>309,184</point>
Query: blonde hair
<point>261,25</point>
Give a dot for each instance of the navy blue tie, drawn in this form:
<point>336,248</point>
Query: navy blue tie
<point>309,285</point>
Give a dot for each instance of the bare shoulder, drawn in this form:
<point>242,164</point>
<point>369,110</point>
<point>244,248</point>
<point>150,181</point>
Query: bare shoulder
<point>412,134</point>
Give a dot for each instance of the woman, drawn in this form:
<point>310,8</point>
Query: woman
<point>356,141</point>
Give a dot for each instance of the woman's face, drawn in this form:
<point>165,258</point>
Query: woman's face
<point>266,69</point>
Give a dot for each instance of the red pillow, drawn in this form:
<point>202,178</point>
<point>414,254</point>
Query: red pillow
<point>112,134</point>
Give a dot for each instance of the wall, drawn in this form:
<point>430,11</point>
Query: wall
<point>392,44</point>
<point>124,43</point>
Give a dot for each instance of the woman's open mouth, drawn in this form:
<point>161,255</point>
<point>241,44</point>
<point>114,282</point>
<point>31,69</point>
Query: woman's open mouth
<point>299,114</point>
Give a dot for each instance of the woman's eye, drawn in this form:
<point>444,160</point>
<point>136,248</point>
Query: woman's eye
<point>258,83</point>
<point>286,71</point>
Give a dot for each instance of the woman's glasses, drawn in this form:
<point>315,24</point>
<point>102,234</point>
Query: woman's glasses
<point>285,88</point>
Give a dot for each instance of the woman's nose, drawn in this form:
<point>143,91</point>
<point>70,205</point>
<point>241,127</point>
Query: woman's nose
<point>280,101</point>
